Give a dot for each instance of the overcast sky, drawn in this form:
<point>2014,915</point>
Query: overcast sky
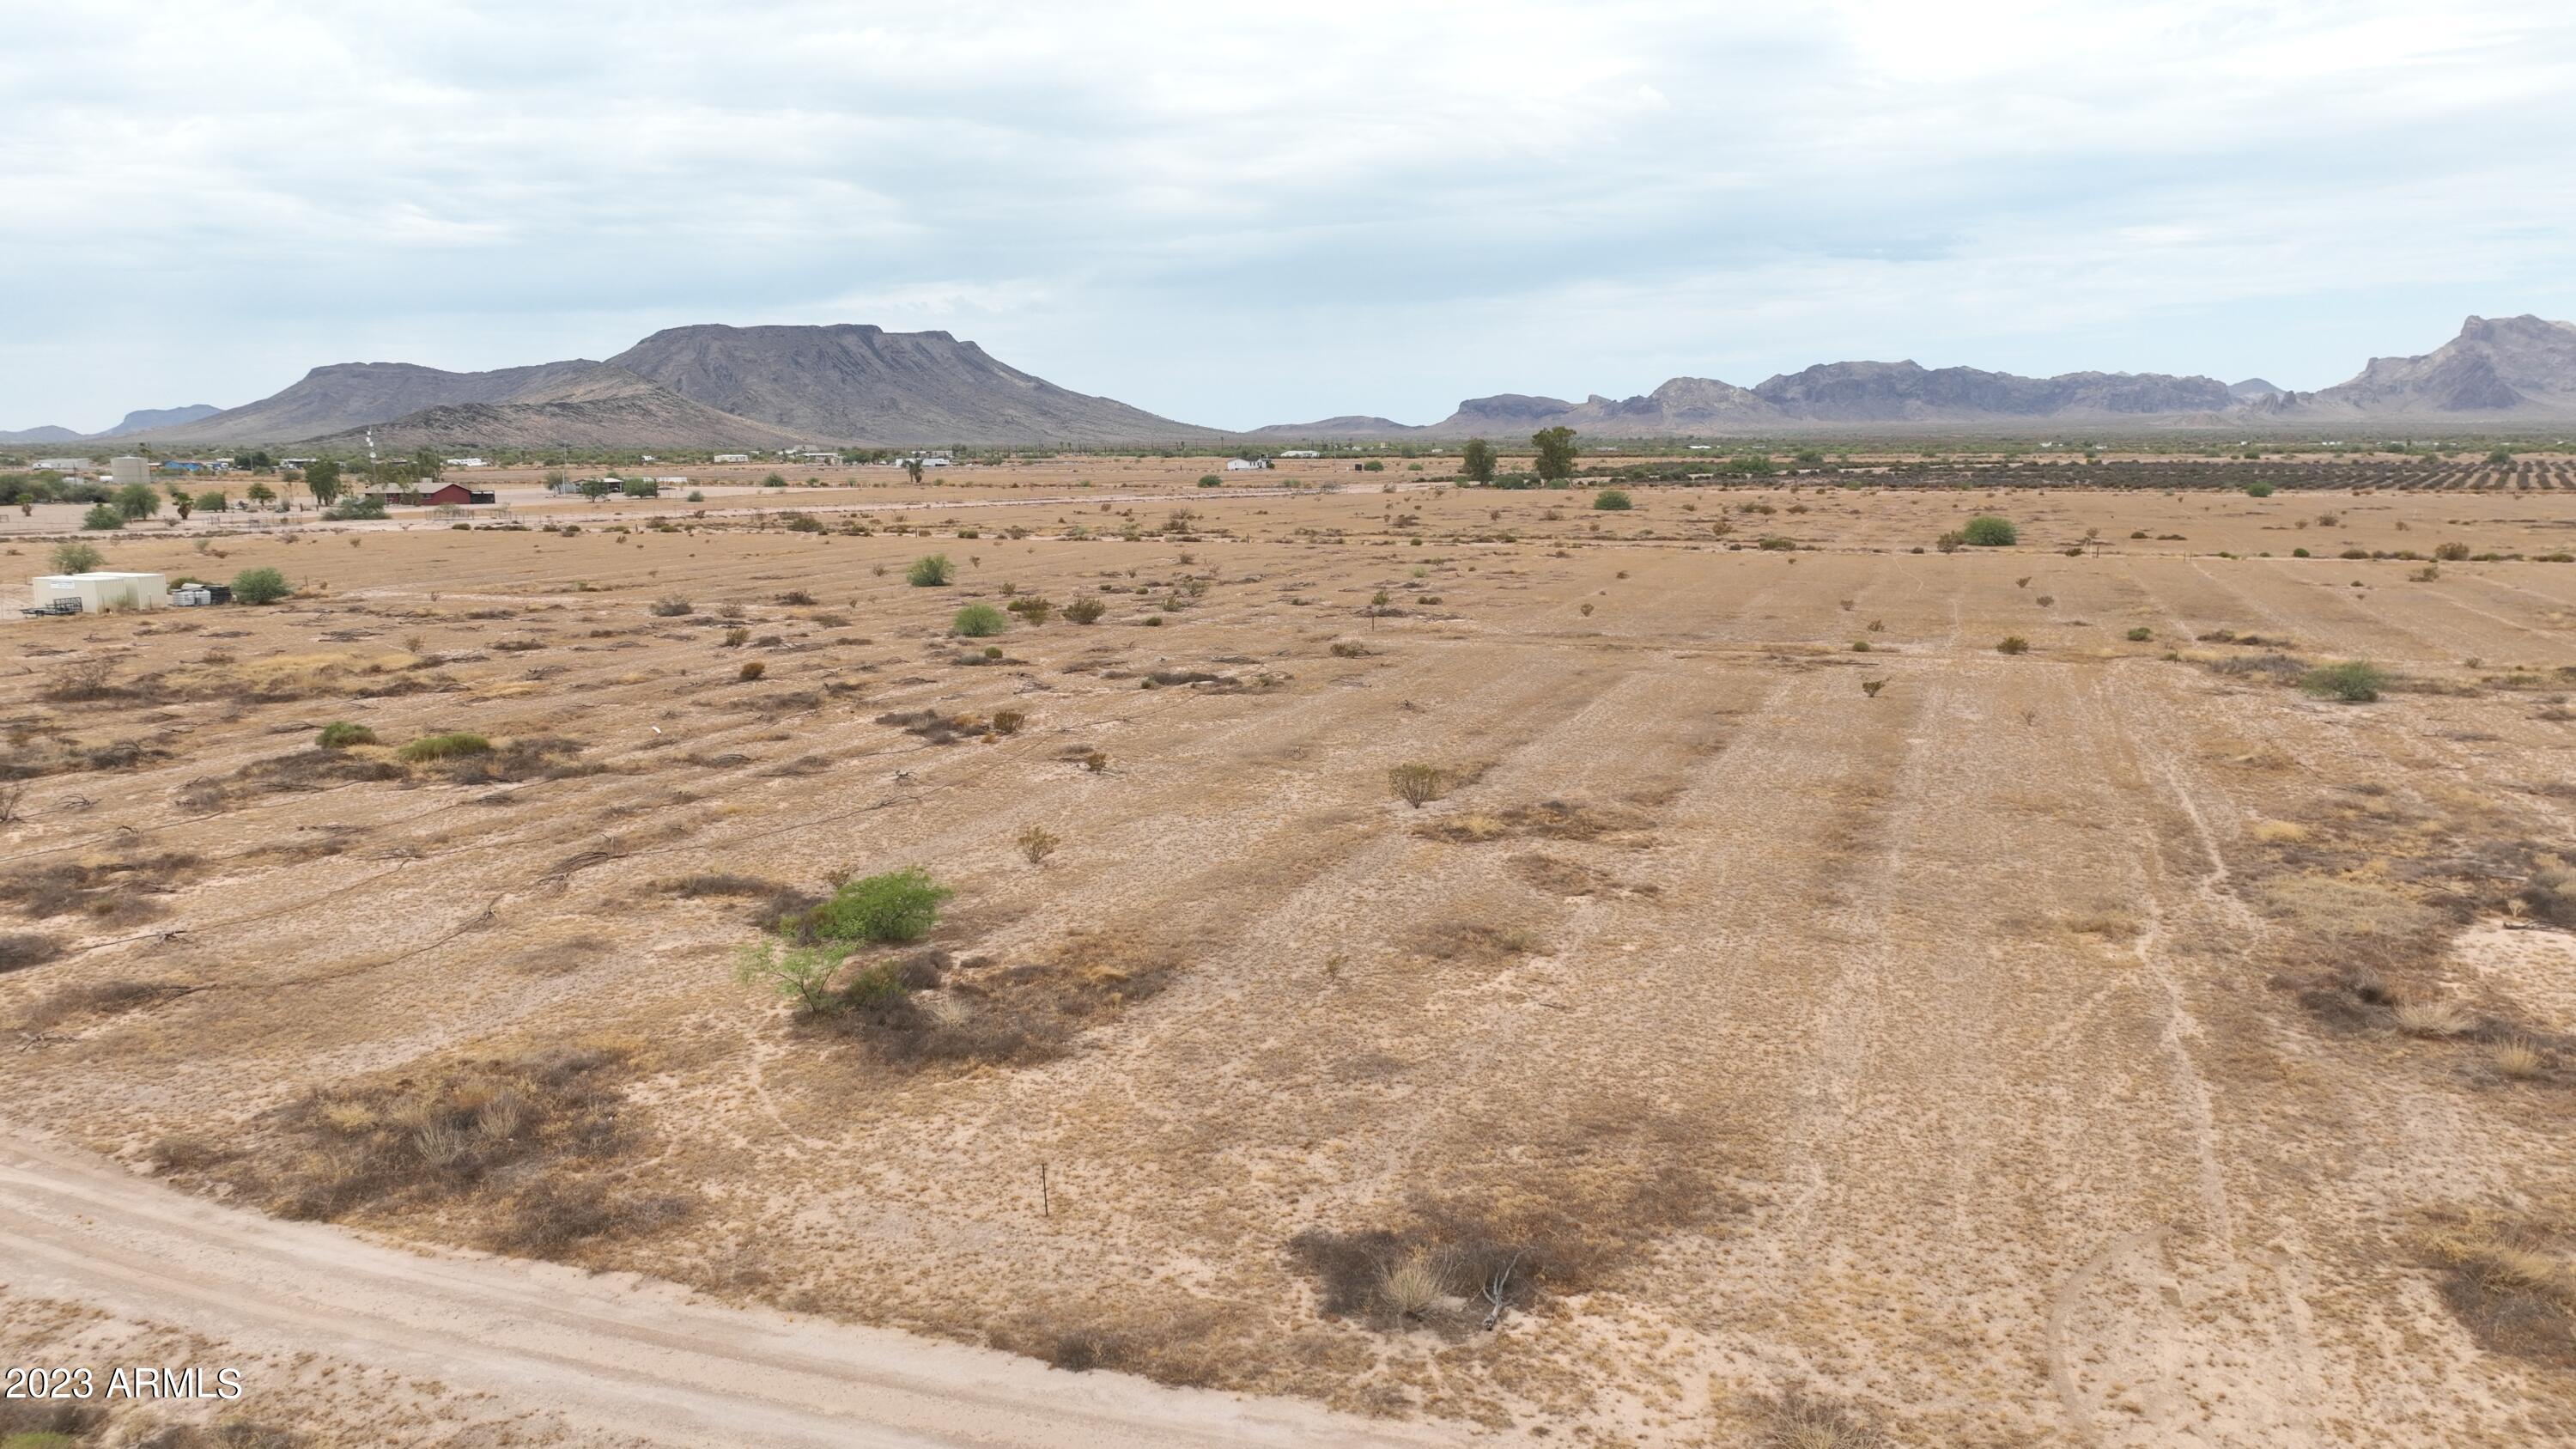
<point>1274,215</point>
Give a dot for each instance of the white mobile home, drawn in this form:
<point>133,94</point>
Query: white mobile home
<point>100,592</point>
<point>1240,465</point>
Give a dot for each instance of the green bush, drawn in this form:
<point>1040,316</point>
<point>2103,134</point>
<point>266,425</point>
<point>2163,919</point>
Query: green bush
<point>2353,682</point>
<point>2141,634</point>
<point>103,515</point>
<point>444,747</point>
<point>2013,644</point>
<point>1210,480</point>
<point>355,506</point>
<point>339,734</point>
<point>930,571</point>
<point>1085,611</point>
<point>979,621</point>
<point>802,974</point>
<point>900,905</point>
<point>260,586</point>
<point>1987,531</point>
<point>1612,500</point>
<point>76,557</point>
<point>2258,489</point>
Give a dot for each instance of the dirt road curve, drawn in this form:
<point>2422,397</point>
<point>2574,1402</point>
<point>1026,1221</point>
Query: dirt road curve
<point>608,1355</point>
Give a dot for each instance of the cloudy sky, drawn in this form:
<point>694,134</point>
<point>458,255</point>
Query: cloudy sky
<point>1279,214</point>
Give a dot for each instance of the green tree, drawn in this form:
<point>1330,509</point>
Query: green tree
<point>77,558</point>
<point>1476,460</point>
<point>180,500</point>
<point>426,465</point>
<point>138,500</point>
<point>103,515</point>
<point>1555,453</point>
<point>912,469</point>
<point>593,488</point>
<point>212,501</point>
<point>1987,531</point>
<point>322,480</point>
<point>261,494</point>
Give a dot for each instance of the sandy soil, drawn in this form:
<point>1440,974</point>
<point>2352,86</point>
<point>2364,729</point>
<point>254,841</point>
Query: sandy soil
<point>1966,1056</point>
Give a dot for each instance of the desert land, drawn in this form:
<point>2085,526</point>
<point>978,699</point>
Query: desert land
<point>1426,964</point>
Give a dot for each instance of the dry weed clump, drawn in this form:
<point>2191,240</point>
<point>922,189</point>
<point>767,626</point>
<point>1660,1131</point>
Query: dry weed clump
<point>930,1008</point>
<point>937,728</point>
<point>1417,784</point>
<point>2510,1277</point>
<point>115,890</point>
<point>21,950</point>
<point>1474,942</point>
<point>1547,820</point>
<point>1798,1418</point>
<point>515,1142</point>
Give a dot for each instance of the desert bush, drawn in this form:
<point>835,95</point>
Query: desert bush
<point>1987,531</point>
<point>2141,634</point>
<point>2258,489</point>
<point>672,606</point>
<point>979,621</point>
<point>75,557</point>
<point>2452,552</point>
<point>751,669</point>
<point>260,586</point>
<point>1037,843</point>
<point>1009,721</point>
<point>1210,480</point>
<point>930,571</point>
<point>1417,784</point>
<point>1612,500</point>
<point>443,747</point>
<point>2353,682</point>
<point>81,680</point>
<point>340,734</point>
<point>1085,611</point>
<point>899,905</point>
<point>2508,1278</point>
<point>736,637</point>
<point>802,974</point>
<point>103,516</point>
<point>2012,644</point>
<point>1033,609</point>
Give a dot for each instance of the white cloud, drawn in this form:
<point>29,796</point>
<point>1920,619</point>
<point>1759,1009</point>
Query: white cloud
<point>1246,217</point>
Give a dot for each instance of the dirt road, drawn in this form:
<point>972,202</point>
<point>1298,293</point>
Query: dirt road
<point>604,1354</point>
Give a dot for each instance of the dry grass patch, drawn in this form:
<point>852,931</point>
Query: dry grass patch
<point>2510,1276</point>
<point>20,950</point>
<point>109,890</point>
<point>1546,820</point>
<point>929,1007</point>
<point>1474,942</point>
<point>512,1146</point>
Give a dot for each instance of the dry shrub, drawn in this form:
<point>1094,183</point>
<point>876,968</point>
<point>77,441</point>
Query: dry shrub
<point>82,680</point>
<point>514,1137</point>
<point>1417,784</point>
<point>545,757</point>
<point>1570,1209</point>
<point>2434,1018</point>
<point>1559,877</point>
<point>111,891</point>
<point>102,998</point>
<point>929,1007</point>
<point>1798,1418</point>
<point>1547,820</point>
<point>937,728</point>
<point>20,950</point>
<point>317,768</point>
<point>2510,1276</point>
<point>689,887</point>
<point>1036,843</point>
<point>1474,942</point>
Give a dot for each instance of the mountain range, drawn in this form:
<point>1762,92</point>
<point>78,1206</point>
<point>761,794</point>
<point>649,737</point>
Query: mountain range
<point>772,387</point>
<point>2504,370</point>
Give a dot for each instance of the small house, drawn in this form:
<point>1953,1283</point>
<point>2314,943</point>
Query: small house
<point>66,465</point>
<point>101,592</point>
<point>446,493</point>
<point>732,458</point>
<point>1241,465</point>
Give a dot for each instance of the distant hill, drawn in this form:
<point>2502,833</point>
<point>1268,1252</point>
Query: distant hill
<point>860,384</point>
<point>46,434</point>
<point>145,419</point>
<point>350,395</point>
<point>1876,392</point>
<point>2505,367</point>
<point>2252,387</point>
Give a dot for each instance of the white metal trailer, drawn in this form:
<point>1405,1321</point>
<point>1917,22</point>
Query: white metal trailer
<point>100,592</point>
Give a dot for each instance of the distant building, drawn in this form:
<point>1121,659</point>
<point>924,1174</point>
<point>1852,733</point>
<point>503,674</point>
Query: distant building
<point>733,457</point>
<point>454,493</point>
<point>1243,465</point>
<point>1301,453</point>
<point>467,463</point>
<point>122,471</point>
<point>76,465</point>
<point>101,593</point>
